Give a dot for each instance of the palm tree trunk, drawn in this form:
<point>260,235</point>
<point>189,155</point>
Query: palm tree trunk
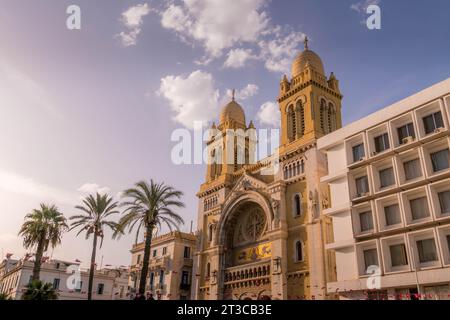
<point>38,260</point>
<point>92,269</point>
<point>145,263</point>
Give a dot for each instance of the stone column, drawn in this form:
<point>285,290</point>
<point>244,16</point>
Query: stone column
<point>279,265</point>
<point>216,271</point>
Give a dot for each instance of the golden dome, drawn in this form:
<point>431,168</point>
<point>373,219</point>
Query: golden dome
<point>307,56</point>
<point>233,111</point>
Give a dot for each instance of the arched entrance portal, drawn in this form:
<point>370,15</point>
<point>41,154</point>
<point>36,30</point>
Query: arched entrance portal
<point>247,252</point>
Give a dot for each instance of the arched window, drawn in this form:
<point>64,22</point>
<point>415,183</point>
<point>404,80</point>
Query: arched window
<point>302,166</point>
<point>213,163</point>
<point>298,251</point>
<point>208,269</point>
<point>331,118</point>
<point>297,205</point>
<point>292,125</point>
<point>210,232</point>
<point>301,116</point>
<point>322,114</point>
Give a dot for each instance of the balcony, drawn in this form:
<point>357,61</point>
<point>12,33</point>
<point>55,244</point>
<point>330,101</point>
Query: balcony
<point>188,262</point>
<point>159,262</point>
<point>250,273</point>
<point>185,286</point>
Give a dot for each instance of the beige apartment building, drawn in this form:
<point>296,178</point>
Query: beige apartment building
<point>170,270</point>
<point>388,176</point>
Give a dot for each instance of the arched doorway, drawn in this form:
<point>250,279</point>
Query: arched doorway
<point>247,251</point>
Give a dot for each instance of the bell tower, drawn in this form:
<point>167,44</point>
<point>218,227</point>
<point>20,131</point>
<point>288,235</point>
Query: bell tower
<point>231,144</point>
<point>310,102</point>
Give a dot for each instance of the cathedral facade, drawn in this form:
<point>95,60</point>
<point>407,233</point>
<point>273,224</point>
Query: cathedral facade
<point>262,236</point>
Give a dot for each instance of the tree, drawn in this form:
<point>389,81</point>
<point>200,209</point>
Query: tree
<point>149,206</point>
<point>96,211</point>
<point>37,290</point>
<point>42,228</point>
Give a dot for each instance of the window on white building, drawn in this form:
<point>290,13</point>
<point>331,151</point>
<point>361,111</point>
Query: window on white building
<point>187,252</point>
<point>433,122</point>
<point>444,201</point>
<point>154,253</point>
<point>152,280</point>
<point>362,185</point>
<point>412,169</point>
<point>392,214</point>
<point>79,286</point>
<point>100,288</point>
<point>370,258</point>
<point>404,132</point>
<point>448,243</point>
<point>427,250</point>
<point>358,152</point>
<point>382,142</point>
<point>419,208</point>
<point>387,177</point>
<point>185,277</point>
<point>164,251</point>
<point>365,219</point>
<point>440,160</point>
<point>398,255</point>
<point>56,282</point>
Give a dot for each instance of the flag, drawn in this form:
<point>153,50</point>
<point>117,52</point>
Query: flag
<point>76,260</point>
<point>9,255</point>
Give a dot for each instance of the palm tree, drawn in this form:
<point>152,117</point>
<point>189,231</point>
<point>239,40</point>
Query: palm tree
<point>150,206</point>
<point>96,211</point>
<point>37,290</point>
<point>42,228</point>
<point>4,296</point>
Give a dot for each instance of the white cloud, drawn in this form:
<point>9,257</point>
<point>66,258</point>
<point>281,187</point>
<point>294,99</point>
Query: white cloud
<point>192,98</point>
<point>361,6</point>
<point>175,18</point>
<point>269,114</point>
<point>15,183</point>
<point>247,92</point>
<point>93,188</point>
<point>217,24</point>
<point>279,52</point>
<point>133,18</point>
<point>236,58</point>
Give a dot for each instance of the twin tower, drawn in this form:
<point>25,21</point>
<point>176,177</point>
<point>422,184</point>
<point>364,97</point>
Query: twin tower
<point>262,236</point>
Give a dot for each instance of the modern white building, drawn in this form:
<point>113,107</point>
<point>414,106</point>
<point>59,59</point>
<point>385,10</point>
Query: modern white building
<point>170,266</point>
<point>68,279</point>
<point>389,200</point>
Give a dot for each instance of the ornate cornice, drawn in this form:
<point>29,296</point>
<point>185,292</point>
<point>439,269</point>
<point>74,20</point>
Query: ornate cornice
<point>302,86</point>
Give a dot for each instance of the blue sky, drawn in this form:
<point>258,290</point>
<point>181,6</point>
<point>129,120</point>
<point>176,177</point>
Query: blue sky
<point>83,110</point>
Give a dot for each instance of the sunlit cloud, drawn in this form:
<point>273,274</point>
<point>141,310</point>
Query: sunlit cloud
<point>132,19</point>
